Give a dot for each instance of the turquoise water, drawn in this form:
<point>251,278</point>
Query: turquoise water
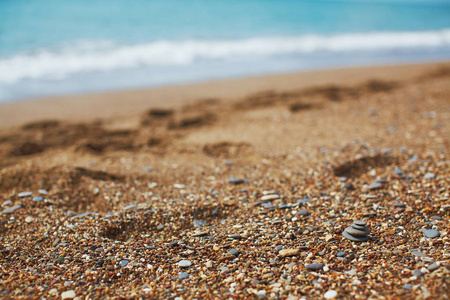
<point>50,47</point>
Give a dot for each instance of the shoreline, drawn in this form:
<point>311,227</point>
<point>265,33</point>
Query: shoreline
<point>119,104</point>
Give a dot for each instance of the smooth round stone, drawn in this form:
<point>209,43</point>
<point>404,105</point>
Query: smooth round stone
<point>236,236</point>
<point>417,273</point>
<point>433,267</point>
<point>358,227</point>
<point>224,269</point>
<point>184,263</point>
<point>314,266</point>
<point>38,199</point>
<point>355,238</point>
<point>303,212</point>
<point>234,252</point>
<point>24,194</point>
<point>359,223</point>
<point>429,176</point>
<point>340,254</point>
<point>123,263</point>
<point>183,275</point>
<point>68,295</point>
<point>331,294</point>
<point>7,203</point>
<point>357,232</point>
<point>431,233</point>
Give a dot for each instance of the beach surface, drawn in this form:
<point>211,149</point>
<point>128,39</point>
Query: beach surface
<point>242,189</point>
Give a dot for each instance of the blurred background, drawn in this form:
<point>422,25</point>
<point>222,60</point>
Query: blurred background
<point>51,47</point>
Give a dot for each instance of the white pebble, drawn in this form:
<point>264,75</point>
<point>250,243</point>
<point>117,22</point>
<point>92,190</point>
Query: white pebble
<point>331,294</point>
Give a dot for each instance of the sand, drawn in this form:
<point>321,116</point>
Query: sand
<point>253,181</point>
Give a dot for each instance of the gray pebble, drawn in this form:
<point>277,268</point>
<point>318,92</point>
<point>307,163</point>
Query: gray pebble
<point>431,233</point>
<point>234,252</point>
<point>356,232</point>
<point>355,238</point>
<point>184,263</point>
<point>314,266</point>
<point>429,176</point>
<point>24,194</point>
<point>398,204</point>
<point>11,209</point>
<point>360,223</point>
<point>224,269</point>
<point>358,227</point>
<point>7,203</point>
<point>340,254</point>
<point>38,199</point>
<point>433,267</point>
<point>303,212</point>
<point>236,236</point>
<point>417,273</point>
<point>183,275</point>
<point>407,286</point>
<point>123,263</point>
<point>375,186</point>
<point>418,253</point>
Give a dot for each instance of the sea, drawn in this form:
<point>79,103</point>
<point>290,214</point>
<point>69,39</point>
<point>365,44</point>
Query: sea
<point>54,47</point>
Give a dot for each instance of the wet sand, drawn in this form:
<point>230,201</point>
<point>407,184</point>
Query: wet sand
<point>252,181</point>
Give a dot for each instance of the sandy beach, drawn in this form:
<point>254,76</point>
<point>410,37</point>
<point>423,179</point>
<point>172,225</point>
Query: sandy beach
<point>243,189</point>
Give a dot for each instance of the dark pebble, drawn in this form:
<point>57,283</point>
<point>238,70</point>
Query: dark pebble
<point>314,266</point>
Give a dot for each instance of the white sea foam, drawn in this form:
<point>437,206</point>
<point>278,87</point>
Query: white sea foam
<point>104,56</point>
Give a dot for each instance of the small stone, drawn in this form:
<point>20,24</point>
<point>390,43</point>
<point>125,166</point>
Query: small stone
<point>68,295</point>
<point>200,233</point>
<point>24,194</point>
<point>130,207</point>
<point>375,186</point>
<point>38,199</point>
<point>29,219</point>
<point>303,212</point>
<point>314,266</point>
<point>7,203</point>
<point>357,232</point>
<point>398,172</point>
<point>234,180</point>
<point>289,252</point>
<point>360,223</point>
<point>429,176</point>
<point>224,269</point>
<point>266,198</point>
<point>11,209</point>
<point>407,286</point>
<point>417,273</point>
<point>358,227</point>
<point>398,204</point>
<point>331,294</point>
<point>355,238</point>
<point>184,263</point>
<point>160,227</point>
<point>433,267</point>
<point>183,275</point>
<point>431,233</point>
<point>340,254</point>
<point>236,236</point>
<point>234,252</point>
<point>123,263</point>
<point>418,253</point>
<point>43,192</point>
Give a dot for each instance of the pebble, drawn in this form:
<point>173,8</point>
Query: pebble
<point>431,233</point>
<point>288,252</point>
<point>183,275</point>
<point>429,176</point>
<point>303,212</point>
<point>398,172</point>
<point>38,199</point>
<point>236,236</point>
<point>433,267</point>
<point>24,194</point>
<point>407,286</point>
<point>418,253</point>
<point>357,232</point>
<point>123,263</point>
<point>224,269</point>
<point>43,192</point>
<point>7,203</point>
<point>340,254</point>
<point>234,252</point>
<point>68,294</point>
<point>29,219</point>
<point>417,273</point>
<point>130,207</point>
<point>314,266</point>
<point>200,233</point>
<point>12,209</point>
<point>184,263</point>
<point>331,294</point>
<point>375,186</point>
<point>234,180</point>
<point>266,198</point>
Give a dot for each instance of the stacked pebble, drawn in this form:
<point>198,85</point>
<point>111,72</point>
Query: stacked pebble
<point>357,232</point>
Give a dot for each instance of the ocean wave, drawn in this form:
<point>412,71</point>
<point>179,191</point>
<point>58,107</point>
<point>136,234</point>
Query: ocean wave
<point>105,56</point>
